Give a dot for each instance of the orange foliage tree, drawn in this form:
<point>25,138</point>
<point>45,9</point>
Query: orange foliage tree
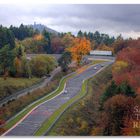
<point>38,37</point>
<point>80,48</point>
<point>115,110</point>
<point>18,66</point>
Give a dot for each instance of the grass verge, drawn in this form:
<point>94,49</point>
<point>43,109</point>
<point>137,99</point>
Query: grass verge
<point>11,85</point>
<point>49,123</point>
<point>21,114</point>
<point>79,118</point>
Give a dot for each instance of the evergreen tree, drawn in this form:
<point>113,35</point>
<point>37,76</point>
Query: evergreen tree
<point>65,60</point>
<point>124,88</point>
<point>109,92</point>
<point>80,34</point>
<point>6,37</point>
<point>23,32</point>
<point>6,57</point>
<point>47,47</point>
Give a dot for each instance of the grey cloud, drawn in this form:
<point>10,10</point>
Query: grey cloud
<point>114,19</point>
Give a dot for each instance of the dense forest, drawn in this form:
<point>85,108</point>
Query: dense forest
<point>35,41</point>
<point>111,106</point>
<point>16,42</point>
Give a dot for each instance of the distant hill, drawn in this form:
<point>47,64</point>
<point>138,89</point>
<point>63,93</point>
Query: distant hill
<point>41,27</point>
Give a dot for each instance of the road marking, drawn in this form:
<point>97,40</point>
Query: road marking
<point>45,102</point>
<point>31,112</point>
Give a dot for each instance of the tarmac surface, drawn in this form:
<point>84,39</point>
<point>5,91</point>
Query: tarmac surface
<point>35,119</point>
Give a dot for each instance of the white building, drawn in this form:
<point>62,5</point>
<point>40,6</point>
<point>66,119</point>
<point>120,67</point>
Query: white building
<point>98,52</point>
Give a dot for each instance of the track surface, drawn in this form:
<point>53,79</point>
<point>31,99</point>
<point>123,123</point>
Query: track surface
<point>31,123</point>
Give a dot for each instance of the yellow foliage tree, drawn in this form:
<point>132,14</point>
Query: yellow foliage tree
<point>38,37</point>
<point>105,48</point>
<point>80,48</point>
<point>68,40</point>
<point>118,66</point>
<point>92,44</point>
<point>18,66</point>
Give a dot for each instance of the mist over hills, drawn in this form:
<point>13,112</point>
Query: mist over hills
<point>41,27</point>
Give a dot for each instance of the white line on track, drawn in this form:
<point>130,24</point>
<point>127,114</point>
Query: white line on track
<point>31,112</point>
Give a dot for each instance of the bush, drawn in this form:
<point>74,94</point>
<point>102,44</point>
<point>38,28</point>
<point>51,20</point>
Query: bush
<point>109,92</point>
<point>42,65</point>
<point>115,110</point>
<point>113,89</point>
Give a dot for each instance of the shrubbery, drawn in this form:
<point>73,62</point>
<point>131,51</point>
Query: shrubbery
<point>42,65</point>
<point>15,63</point>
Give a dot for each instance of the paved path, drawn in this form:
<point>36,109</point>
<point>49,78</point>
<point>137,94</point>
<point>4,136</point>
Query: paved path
<point>30,124</point>
<point>34,87</point>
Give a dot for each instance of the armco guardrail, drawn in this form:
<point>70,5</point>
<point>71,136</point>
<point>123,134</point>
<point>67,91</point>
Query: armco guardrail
<point>25,91</point>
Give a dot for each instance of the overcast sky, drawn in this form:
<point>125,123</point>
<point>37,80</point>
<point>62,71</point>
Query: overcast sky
<point>112,19</point>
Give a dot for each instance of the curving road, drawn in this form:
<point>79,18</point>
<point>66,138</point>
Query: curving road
<point>32,122</point>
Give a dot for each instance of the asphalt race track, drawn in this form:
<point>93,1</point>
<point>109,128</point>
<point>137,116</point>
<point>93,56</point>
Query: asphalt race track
<point>35,119</point>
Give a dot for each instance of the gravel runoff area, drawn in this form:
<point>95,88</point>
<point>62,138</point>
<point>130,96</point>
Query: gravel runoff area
<point>33,121</point>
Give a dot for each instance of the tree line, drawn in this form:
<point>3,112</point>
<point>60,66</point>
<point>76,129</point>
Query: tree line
<point>15,39</point>
<point>53,43</point>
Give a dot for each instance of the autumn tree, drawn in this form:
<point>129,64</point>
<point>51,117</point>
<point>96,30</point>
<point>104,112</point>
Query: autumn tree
<point>126,67</point>
<point>36,44</point>
<point>80,48</point>
<point>18,66</point>
<point>92,43</point>
<point>38,37</point>
<point>113,89</point>
<point>68,40</point>
<point>57,44</point>
<point>42,65</point>
<point>26,68</point>
<point>131,118</point>
<point>119,44</point>
<point>18,60</point>
<point>116,108</point>
<point>119,67</point>
<point>105,48</point>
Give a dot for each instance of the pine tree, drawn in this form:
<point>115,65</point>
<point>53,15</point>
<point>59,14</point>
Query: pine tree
<point>6,57</point>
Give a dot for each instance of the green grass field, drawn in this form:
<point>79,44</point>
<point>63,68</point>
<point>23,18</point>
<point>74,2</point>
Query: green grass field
<point>11,85</point>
